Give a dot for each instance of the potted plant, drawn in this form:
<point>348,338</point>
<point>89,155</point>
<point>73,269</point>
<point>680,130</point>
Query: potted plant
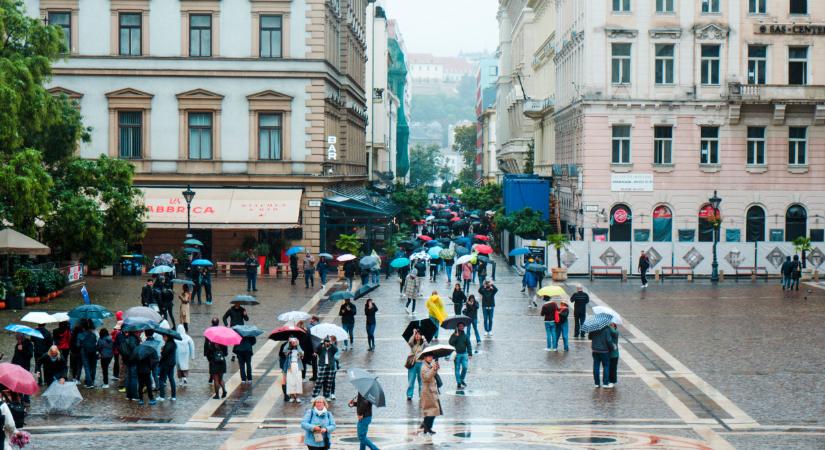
<point>3,293</point>
<point>802,245</point>
<point>272,266</point>
<point>558,241</point>
<point>262,250</point>
<point>347,243</point>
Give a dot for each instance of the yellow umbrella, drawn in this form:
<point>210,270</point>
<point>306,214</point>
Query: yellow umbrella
<point>552,291</point>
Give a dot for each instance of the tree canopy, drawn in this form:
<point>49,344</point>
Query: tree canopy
<point>527,223</point>
<point>424,165</point>
<point>486,197</point>
<point>411,200</point>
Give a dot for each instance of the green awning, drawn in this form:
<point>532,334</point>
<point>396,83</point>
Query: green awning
<point>359,199</point>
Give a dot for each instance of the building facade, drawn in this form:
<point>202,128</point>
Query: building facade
<point>662,102</point>
<point>259,105</point>
<point>382,111</point>
<point>401,85</point>
<point>486,78</point>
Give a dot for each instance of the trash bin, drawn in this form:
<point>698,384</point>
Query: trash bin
<point>14,300</point>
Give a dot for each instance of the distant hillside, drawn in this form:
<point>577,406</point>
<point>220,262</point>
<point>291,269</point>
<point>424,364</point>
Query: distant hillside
<point>445,109</point>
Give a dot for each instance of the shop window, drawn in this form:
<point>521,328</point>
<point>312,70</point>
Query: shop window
<point>621,223</point>
<point>755,224</point>
<point>796,222</point>
<point>662,224</point>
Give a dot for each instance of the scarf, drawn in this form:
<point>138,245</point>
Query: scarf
<point>320,413</point>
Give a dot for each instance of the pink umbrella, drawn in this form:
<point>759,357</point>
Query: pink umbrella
<point>483,249</point>
<point>17,379</point>
<point>222,335</point>
<point>425,238</point>
<point>482,237</point>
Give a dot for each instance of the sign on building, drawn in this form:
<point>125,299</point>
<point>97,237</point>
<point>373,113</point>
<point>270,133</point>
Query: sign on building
<point>631,182</point>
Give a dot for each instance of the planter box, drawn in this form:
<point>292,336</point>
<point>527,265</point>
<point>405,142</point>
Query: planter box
<point>807,274</point>
<point>107,271</point>
<point>273,271</point>
<point>559,274</point>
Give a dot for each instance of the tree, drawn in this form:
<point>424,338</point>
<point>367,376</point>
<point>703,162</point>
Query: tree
<point>802,245</point>
<point>485,198</point>
<point>412,201</point>
<point>558,241</point>
<point>465,144</point>
<point>526,223</point>
<point>24,189</point>
<point>424,164</point>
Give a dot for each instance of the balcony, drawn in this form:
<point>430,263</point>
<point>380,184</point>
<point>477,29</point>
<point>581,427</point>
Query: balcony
<point>538,108</point>
<point>777,93</point>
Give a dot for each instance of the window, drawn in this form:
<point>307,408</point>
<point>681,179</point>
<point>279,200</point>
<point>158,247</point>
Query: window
<point>797,65</point>
<point>796,223</point>
<point>621,144</point>
<point>662,145</point>
<point>710,64</point>
<point>621,5</point>
<point>797,145</point>
<point>756,146</point>
<point>662,224</point>
<point>271,36</point>
<point>755,224</point>
<point>710,145</point>
<point>130,24</point>
<point>757,64</point>
<point>200,135</point>
<point>494,71</point>
<point>200,35</point>
<point>621,223</point>
<point>757,6</point>
<point>64,21</point>
<point>664,6</point>
<point>710,6</point>
<point>130,132</point>
<point>664,63</point>
<point>621,64</point>
<point>799,7</point>
<point>269,136</point>
<point>707,217</point>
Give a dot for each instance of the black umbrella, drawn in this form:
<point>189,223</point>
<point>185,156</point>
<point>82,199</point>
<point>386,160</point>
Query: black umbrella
<point>248,330</point>
<point>245,300</point>
<point>144,351</point>
<point>368,386</point>
<point>364,290</point>
<point>445,242</point>
<point>424,326</point>
<point>444,214</point>
<point>451,323</point>
<point>443,229</point>
<point>168,332</point>
<point>441,221</point>
<point>460,224</point>
<point>407,244</point>
<point>285,332</point>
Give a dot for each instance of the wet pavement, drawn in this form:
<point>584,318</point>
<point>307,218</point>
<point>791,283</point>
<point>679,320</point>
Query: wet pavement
<point>733,366</point>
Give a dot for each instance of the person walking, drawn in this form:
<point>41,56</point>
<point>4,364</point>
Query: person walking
<point>435,309</point>
<point>206,282</point>
<point>413,364</point>
<point>466,276</point>
<point>458,298</point>
<point>251,266</point>
<point>369,311</point>
<point>292,367</point>
<point>244,353</point>
<point>347,312</point>
<point>185,298</point>
<point>448,268</point>
<point>293,268</point>
<point>106,351</point>
<point>326,369</point>
<point>488,305</point>
<point>549,310</point>
<point>323,268</point>
<point>481,271</point>
<point>349,273</point>
<point>561,325</point>
<point>787,272</point>
<point>167,300</point>
<point>127,349</point>
<point>434,265</point>
<point>88,354</point>
<point>318,424</point>
<point>309,270</point>
<point>580,300</point>
<point>53,366</point>
<point>601,345</point>
<point>185,349</point>
<point>420,268</point>
<point>430,403</point>
<point>471,311</point>
<point>166,367</point>
<point>235,315</point>
<point>196,284</point>
<point>463,354</point>
<point>644,265</point>
<point>40,347</point>
<point>531,282</point>
<point>403,272</point>
<point>412,290</point>
<point>363,410</point>
<point>216,355</point>
<point>796,273</point>
<point>614,354</point>
<point>375,274</point>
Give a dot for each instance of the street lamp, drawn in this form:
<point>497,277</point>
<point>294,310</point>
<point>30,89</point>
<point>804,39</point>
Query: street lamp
<point>714,203</point>
<point>188,195</point>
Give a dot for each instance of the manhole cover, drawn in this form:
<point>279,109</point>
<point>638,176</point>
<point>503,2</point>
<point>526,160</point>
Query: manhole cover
<point>591,440</point>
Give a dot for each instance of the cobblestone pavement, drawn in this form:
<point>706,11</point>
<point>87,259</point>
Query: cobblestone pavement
<point>733,366</point>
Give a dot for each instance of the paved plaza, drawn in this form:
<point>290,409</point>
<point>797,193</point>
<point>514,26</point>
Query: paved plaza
<point>733,366</point>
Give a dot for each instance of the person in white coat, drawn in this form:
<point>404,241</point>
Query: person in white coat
<point>185,353</point>
<point>8,427</point>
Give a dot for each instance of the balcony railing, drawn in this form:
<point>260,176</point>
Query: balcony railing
<point>777,93</point>
<point>537,108</point>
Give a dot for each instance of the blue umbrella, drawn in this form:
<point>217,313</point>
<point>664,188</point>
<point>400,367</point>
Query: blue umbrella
<point>138,324</point>
<point>90,312</point>
<point>193,241</point>
<point>435,252</point>
<point>368,262</point>
<point>22,329</point>
<point>248,330</point>
<point>325,255</point>
<point>432,243</point>
<point>340,295</point>
<point>191,250</point>
<point>400,262</point>
<point>202,262</point>
<point>461,251</point>
<point>535,267</point>
<point>464,241</point>
<point>294,251</point>
<point>179,281</point>
<point>519,251</point>
<point>160,269</point>
<point>596,323</point>
<point>96,322</point>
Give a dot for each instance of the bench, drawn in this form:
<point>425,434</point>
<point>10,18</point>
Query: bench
<point>229,267</point>
<point>752,271</point>
<point>675,271</point>
<point>607,271</point>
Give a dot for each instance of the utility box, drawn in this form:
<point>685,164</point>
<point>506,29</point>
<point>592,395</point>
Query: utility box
<point>527,191</point>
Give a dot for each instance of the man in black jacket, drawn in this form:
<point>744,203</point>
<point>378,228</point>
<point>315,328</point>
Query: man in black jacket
<point>363,409</point>
<point>127,349</point>
<point>488,305</point>
<point>580,300</point>
<point>147,293</point>
<point>236,315</point>
<point>326,370</point>
<point>463,353</point>
<point>644,265</point>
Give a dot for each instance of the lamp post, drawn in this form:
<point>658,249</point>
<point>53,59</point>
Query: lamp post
<point>188,195</point>
<point>714,203</point>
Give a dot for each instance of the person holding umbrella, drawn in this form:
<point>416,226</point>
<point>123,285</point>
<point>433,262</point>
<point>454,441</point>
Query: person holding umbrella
<point>244,354</point>
<point>561,325</point>
<point>349,272</point>
<point>322,267</point>
<point>216,355</point>
<point>363,410</point>
<point>23,352</point>
<point>326,354</point>
<point>430,403</point>
<point>580,300</point>
<point>601,346</point>
<point>168,359</point>
<point>293,268</point>
<point>88,353</point>
<point>127,352</point>
<point>236,315</point>
<point>196,284</point>
<point>549,311</point>
<point>531,282</point>
<point>167,300</point>
<point>206,282</point>
<point>412,290</point>
<point>413,364</point>
<point>347,313</point>
<point>463,354</point>
<point>62,338</point>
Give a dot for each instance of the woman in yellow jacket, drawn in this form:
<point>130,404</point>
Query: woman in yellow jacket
<point>435,307</point>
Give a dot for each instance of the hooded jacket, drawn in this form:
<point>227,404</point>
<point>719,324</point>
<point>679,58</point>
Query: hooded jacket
<point>435,307</point>
<point>488,296</point>
<point>185,348</point>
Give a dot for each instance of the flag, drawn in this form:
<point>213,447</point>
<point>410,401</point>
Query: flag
<point>85,295</point>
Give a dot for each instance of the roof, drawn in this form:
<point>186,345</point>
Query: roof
<point>360,199</point>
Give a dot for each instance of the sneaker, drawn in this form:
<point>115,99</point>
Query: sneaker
<point>173,399</point>
<point>216,397</point>
<point>332,397</point>
<point>208,303</point>
<point>140,402</point>
<point>105,386</point>
<point>297,400</point>
<point>161,399</point>
<point>409,399</point>
<point>597,386</point>
<point>153,402</point>
<point>555,350</point>
<point>115,378</point>
<point>609,386</point>
<point>548,349</point>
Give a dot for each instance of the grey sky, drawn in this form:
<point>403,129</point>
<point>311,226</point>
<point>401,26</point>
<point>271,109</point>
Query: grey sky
<point>446,27</point>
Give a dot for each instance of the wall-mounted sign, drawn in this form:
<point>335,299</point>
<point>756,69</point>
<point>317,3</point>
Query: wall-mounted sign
<point>591,208</point>
<point>790,28</point>
<point>314,203</point>
<point>332,153</point>
<point>332,139</point>
<point>631,182</point>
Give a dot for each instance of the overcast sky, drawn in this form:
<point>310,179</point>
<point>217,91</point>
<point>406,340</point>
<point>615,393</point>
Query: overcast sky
<point>446,27</point>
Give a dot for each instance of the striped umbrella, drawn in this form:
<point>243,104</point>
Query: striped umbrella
<point>596,323</point>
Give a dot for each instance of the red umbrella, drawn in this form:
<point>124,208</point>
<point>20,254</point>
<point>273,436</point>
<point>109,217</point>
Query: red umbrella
<point>455,214</point>
<point>17,379</point>
<point>455,219</point>
<point>425,238</point>
<point>483,249</point>
<point>418,222</point>
<point>222,335</point>
<point>481,237</point>
<point>428,211</point>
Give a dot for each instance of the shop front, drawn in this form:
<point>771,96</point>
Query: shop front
<point>355,210</point>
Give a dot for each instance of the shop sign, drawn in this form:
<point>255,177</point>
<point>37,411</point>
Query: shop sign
<point>790,28</point>
<point>223,206</point>
<point>74,273</point>
<point>631,182</point>
<point>620,215</point>
<point>332,152</point>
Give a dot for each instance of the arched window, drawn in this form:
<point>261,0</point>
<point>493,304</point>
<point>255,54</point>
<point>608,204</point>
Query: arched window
<point>796,222</point>
<point>621,223</point>
<point>755,224</point>
<point>662,224</point>
<point>706,218</point>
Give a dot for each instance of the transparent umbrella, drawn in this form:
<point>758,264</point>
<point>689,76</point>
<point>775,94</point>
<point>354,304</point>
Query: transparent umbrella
<point>61,398</point>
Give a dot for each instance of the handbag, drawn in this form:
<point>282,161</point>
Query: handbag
<point>438,382</point>
<point>410,361</point>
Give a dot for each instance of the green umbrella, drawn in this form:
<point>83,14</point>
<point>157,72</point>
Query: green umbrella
<point>193,241</point>
<point>340,295</point>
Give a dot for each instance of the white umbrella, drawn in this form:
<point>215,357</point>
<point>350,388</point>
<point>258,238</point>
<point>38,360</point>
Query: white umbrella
<point>428,218</point>
<point>420,255</point>
<point>38,317</point>
<point>616,318</point>
<point>294,316</point>
<point>323,330</point>
<point>346,257</point>
<point>61,317</point>
<point>62,397</point>
<point>463,259</point>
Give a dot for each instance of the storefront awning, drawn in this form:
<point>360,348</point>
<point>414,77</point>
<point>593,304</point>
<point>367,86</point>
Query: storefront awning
<point>223,208</point>
<point>361,200</point>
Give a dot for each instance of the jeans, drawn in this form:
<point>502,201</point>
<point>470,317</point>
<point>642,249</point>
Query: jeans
<point>131,381</point>
<point>413,375</point>
<point>474,326</point>
<point>411,301</point>
<point>251,280</point>
<point>371,335</point>
<point>365,278</point>
<point>644,276</point>
<point>309,277</point>
<point>466,286</point>
<point>156,375</point>
<point>488,319</point>
<point>550,332</point>
<point>104,367</point>
<point>375,277</point>
<point>167,374</point>
<point>89,367</point>
<point>481,279</point>
<point>323,275</point>
<point>614,369</point>
<point>167,312</point>
<point>602,359</point>
<point>561,332</point>
<point>786,282</point>
<point>462,363</point>
<point>245,363</point>
<point>207,288</point>
<point>437,326</point>
<point>349,283</point>
<point>350,328</point>
<point>794,283</point>
<point>362,428</point>
<point>449,270</point>
<point>474,273</point>
<point>579,318</point>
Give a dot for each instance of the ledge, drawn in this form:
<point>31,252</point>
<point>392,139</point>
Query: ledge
<point>756,168</point>
<point>798,168</point>
<point>664,168</point>
<point>710,168</point>
<point>621,168</point>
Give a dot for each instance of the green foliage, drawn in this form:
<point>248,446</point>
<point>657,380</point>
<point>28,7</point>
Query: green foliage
<point>802,244</point>
<point>424,164</point>
<point>485,198</point>
<point>412,201</point>
<point>526,223</point>
<point>22,279</point>
<point>237,255</point>
<point>348,243</point>
<point>558,241</point>
<point>24,189</point>
<point>465,143</point>
<point>530,158</point>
